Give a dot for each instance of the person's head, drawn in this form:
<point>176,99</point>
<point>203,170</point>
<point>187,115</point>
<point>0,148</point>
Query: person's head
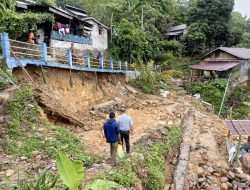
<point>72,45</point>
<point>111,115</point>
<point>123,110</point>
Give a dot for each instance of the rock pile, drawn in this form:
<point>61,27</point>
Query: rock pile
<point>211,178</point>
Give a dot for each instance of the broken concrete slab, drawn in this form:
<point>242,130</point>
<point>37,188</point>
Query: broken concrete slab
<point>131,89</point>
<point>107,106</point>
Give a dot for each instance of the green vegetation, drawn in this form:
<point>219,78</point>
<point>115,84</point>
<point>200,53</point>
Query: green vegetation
<point>24,137</point>
<point>152,159</point>
<point>124,174</point>
<point>212,92</point>
<point>128,41</point>
<point>17,24</point>
<point>41,182</point>
<point>101,185</point>
<point>71,172</point>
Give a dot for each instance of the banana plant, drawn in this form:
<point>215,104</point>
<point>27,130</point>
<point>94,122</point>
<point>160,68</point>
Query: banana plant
<point>71,172</point>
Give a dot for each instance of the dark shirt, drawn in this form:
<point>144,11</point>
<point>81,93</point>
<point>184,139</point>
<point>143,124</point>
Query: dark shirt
<point>111,131</point>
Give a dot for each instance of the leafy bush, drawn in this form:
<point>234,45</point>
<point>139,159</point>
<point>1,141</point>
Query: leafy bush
<point>213,92</point>
<point>18,23</point>
<point>149,80</point>
<point>210,91</point>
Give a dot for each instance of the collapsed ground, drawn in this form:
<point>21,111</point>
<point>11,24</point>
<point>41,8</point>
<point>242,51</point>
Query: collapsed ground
<point>81,136</point>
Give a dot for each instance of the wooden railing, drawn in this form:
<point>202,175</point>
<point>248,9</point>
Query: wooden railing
<point>27,53</point>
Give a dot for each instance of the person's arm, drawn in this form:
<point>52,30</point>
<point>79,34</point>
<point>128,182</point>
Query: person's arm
<point>105,131</point>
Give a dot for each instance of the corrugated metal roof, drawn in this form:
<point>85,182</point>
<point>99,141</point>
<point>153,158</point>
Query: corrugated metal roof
<point>76,11</point>
<point>178,27</point>
<point>238,127</point>
<point>242,53</point>
<point>215,65</point>
<point>174,33</point>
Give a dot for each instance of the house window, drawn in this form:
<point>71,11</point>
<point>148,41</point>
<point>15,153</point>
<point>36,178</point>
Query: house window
<point>100,31</point>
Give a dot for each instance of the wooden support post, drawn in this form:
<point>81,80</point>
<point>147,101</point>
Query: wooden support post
<point>96,81</point>
<point>44,80</point>
<point>83,80</point>
<point>237,153</point>
<point>24,70</point>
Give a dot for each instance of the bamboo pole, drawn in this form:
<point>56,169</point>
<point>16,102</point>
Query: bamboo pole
<point>223,99</point>
<point>24,70</point>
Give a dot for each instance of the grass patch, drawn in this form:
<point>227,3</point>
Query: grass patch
<point>153,162</point>
<point>26,133</point>
<point>124,174</point>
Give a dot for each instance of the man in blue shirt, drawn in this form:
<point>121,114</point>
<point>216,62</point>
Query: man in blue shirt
<point>125,124</point>
<point>111,132</point>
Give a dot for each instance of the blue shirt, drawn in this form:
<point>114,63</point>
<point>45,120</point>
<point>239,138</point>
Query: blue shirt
<point>111,131</point>
<point>125,122</point>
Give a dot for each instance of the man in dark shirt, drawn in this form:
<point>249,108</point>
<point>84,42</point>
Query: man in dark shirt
<point>111,132</point>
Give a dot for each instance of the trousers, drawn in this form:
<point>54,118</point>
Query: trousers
<point>125,137</point>
<point>113,151</point>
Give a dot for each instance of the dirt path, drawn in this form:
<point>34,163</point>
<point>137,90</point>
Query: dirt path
<point>146,117</point>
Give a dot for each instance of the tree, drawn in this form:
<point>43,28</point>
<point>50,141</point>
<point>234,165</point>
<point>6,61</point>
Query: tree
<point>128,41</point>
<point>245,42</point>
<point>6,6</point>
<point>195,41</point>
<point>215,14</point>
<point>18,23</point>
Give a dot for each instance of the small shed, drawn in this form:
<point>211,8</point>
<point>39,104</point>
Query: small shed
<point>176,32</point>
<point>223,61</point>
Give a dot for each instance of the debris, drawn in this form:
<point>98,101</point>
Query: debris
<point>107,106</point>
<point>10,172</point>
<point>164,93</point>
<point>131,89</point>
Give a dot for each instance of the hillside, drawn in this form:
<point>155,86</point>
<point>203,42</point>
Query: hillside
<point>37,122</point>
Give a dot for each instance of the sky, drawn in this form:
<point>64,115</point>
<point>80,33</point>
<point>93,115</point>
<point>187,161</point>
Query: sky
<point>242,6</point>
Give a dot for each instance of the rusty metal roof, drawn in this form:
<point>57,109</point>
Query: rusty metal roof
<point>242,53</point>
<point>215,65</point>
<point>238,127</point>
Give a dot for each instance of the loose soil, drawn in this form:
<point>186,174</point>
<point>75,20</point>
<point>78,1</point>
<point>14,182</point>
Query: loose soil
<point>148,113</point>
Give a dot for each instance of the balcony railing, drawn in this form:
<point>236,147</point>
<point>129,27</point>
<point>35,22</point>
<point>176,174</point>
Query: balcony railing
<point>16,53</point>
<point>71,38</point>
